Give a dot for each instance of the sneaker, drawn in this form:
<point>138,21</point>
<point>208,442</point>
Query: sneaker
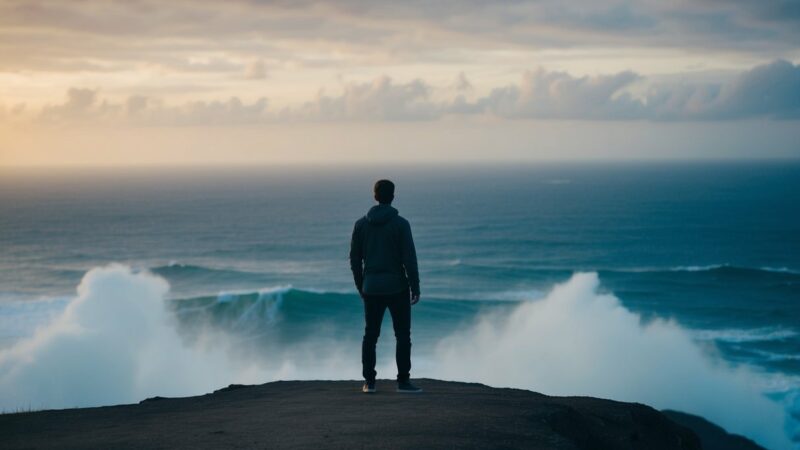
<point>408,388</point>
<point>369,387</point>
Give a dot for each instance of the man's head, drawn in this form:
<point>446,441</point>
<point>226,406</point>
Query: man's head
<point>384,192</point>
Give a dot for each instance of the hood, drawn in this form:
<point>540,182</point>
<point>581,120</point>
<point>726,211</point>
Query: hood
<point>380,214</point>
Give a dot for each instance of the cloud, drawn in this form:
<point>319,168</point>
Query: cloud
<point>766,91</point>
<point>98,35</point>
<point>256,70</point>
<point>137,104</point>
<point>14,111</point>
<point>80,103</point>
<point>622,17</point>
<point>380,99</point>
<point>558,95</point>
<point>462,83</point>
<point>770,91</point>
<point>765,10</point>
<point>231,111</point>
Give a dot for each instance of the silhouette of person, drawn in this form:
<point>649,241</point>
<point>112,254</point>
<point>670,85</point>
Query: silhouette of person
<point>384,264</point>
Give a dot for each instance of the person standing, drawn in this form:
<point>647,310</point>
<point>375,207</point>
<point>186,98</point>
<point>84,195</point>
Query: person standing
<point>384,265</point>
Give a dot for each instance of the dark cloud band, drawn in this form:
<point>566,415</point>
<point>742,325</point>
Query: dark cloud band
<point>770,91</point>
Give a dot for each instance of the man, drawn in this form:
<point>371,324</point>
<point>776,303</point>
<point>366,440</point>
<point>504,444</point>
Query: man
<point>384,265</point>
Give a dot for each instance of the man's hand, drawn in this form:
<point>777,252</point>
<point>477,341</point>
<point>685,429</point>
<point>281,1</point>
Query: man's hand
<point>414,299</point>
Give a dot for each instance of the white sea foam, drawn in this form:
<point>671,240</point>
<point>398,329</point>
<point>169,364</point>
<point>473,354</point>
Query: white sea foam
<point>116,342</point>
<point>113,343</point>
<point>515,296</point>
<point>578,342</point>
<point>780,270</point>
<point>745,335</point>
<point>231,295</point>
<point>709,267</point>
<point>698,268</point>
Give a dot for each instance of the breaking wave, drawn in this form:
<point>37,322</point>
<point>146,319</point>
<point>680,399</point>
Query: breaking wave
<point>746,335</point>
<point>713,268</point>
<point>176,269</point>
<point>121,340</point>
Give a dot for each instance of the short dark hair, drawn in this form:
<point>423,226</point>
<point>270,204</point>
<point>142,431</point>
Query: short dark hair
<point>384,191</point>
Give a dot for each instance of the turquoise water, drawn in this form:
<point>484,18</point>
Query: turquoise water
<point>261,254</point>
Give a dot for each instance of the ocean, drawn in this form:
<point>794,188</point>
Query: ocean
<point>675,284</point>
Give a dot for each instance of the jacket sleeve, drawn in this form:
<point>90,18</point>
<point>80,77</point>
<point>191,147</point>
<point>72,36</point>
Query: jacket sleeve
<point>409,255</point>
<point>357,257</point>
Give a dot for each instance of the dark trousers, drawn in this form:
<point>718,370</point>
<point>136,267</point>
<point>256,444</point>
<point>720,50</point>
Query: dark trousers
<point>400,308</point>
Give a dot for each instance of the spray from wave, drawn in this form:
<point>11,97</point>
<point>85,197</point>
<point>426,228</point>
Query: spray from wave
<point>578,342</point>
<point>118,341</point>
<point>113,343</point>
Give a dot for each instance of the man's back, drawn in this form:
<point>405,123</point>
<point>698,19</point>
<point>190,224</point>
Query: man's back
<point>382,254</point>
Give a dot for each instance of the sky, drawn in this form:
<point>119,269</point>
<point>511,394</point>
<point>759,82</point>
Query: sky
<point>241,82</point>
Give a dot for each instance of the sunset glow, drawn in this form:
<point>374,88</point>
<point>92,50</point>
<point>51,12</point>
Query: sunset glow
<point>98,82</point>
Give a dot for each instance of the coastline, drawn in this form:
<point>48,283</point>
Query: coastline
<point>335,414</point>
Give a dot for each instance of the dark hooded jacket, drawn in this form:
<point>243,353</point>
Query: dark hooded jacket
<point>382,254</point>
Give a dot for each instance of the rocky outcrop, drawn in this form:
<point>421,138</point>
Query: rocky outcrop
<point>335,414</point>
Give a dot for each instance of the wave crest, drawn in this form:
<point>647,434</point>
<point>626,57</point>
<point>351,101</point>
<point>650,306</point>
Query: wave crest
<point>577,341</point>
<point>116,342</point>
